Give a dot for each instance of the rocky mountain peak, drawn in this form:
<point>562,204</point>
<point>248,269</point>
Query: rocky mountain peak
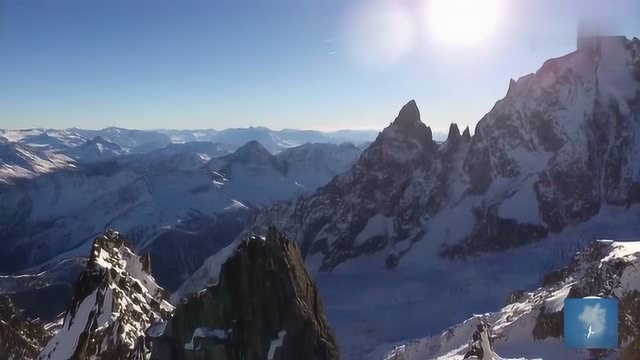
<point>454,132</point>
<point>466,134</point>
<point>20,338</point>
<point>405,140</point>
<point>409,115</point>
<point>408,121</point>
<point>265,306</point>
<point>115,299</point>
<point>252,152</point>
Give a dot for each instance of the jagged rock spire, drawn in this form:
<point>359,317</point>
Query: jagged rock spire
<point>408,121</point>
<point>265,306</point>
<point>115,299</point>
<point>454,132</point>
<point>466,134</point>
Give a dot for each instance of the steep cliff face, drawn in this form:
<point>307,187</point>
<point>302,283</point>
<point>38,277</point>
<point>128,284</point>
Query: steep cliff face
<point>329,221</point>
<point>264,306</point>
<point>115,300</point>
<point>20,338</point>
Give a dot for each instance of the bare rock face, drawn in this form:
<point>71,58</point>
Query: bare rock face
<point>264,306</point>
<point>115,300</point>
<point>20,337</point>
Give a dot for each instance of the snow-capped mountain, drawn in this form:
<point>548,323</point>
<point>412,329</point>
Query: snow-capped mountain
<point>316,164</point>
<point>130,139</point>
<point>23,162</point>
<point>181,203</point>
<point>559,146</point>
<point>274,141</point>
<point>46,139</point>
<point>264,306</point>
<point>115,300</point>
<point>530,326</point>
<point>96,149</point>
<point>552,165</point>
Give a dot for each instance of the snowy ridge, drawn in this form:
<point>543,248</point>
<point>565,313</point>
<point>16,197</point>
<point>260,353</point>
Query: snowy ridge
<point>530,326</point>
<point>23,162</point>
<point>115,301</point>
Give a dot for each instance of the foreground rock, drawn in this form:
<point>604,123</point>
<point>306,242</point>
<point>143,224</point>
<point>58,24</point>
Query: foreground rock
<point>20,338</point>
<point>114,301</point>
<point>264,306</point>
<point>530,326</point>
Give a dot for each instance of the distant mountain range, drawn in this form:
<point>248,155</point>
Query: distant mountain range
<point>136,141</point>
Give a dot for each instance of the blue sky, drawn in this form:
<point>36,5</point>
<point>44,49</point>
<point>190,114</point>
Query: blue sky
<point>312,64</point>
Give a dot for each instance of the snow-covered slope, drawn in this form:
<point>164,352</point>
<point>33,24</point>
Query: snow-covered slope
<point>316,164</point>
<point>530,325</point>
<point>130,139</point>
<point>115,300</point>
<point>180,203</point>
<point>23,162</point>
<point>45,139</point>
<point>96,149</point>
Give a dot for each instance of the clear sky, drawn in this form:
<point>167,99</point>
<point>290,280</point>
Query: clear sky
<point>312,64</point>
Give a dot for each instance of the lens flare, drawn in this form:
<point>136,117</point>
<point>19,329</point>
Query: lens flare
<point>380,34</point>
<point>463,23</point>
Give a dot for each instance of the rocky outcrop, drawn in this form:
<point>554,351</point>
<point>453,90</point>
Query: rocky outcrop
<point>20,337</point>
<point>531,325</point>
<point>264,306</point>
<point>114,301</point>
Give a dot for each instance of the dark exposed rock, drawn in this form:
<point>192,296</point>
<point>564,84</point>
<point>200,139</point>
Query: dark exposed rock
<point>20,337</point>
<point>493,233</point>
<point>179,252</point>
<point>114,300</point>
<point>548,324</point>
<point>515,296</point>
<point>466,134</point>
<point>265,305</point>
<point>594,275</point>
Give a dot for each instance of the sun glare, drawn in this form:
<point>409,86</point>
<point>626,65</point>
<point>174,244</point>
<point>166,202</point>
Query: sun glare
<point>463,23</point>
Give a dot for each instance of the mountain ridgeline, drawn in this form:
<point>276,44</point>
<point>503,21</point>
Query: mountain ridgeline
<point>555,152</point>
<point>265,306</point>
<point>531,323</point>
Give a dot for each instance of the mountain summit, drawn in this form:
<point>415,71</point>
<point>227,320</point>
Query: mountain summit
<point>115,300</point>
<point>264,306</point>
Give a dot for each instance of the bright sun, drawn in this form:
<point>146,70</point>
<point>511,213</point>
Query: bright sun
<point>463,23</point>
